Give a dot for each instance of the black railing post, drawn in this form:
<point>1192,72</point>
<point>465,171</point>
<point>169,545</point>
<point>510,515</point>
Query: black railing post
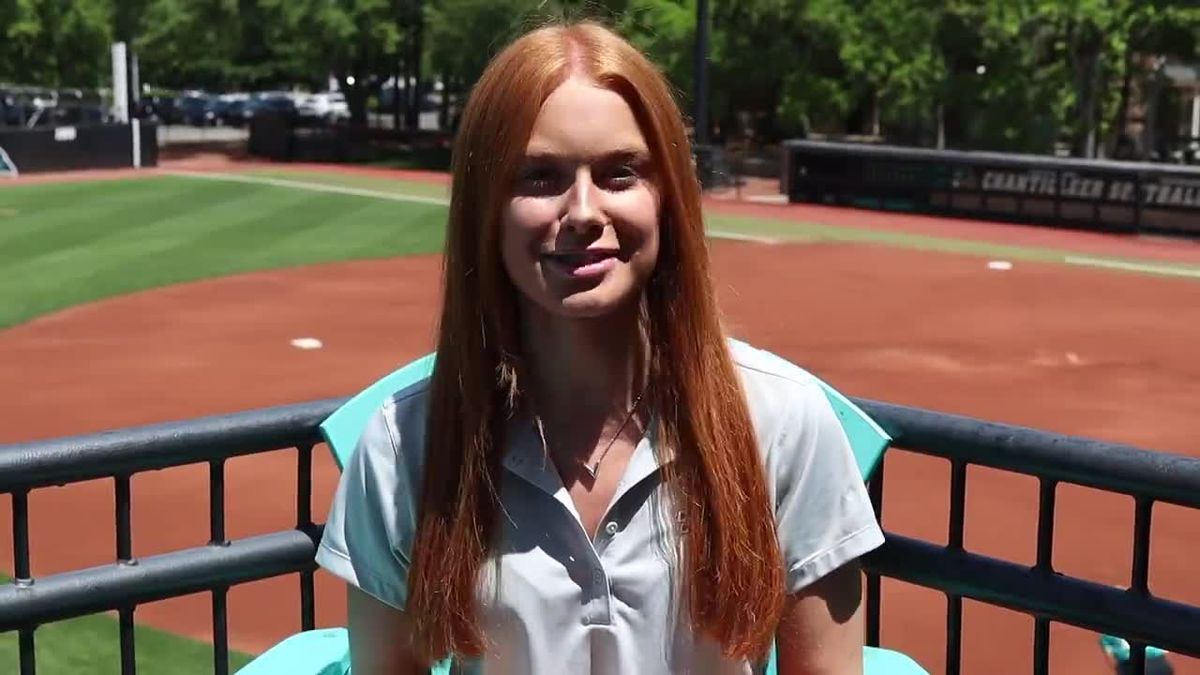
<point>305,524</point>
<point>958,507</point>
<point>874,592</point>
<point>220,609</point>
<point>26,654</point>
<point>1140,572</point>
<point>123,498</point>
<point>1045,564</point>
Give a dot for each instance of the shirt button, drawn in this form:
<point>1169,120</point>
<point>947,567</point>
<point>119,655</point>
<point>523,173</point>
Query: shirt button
<point>611,528</point>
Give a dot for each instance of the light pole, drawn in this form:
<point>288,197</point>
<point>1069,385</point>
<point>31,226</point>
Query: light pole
<point>700,75</point>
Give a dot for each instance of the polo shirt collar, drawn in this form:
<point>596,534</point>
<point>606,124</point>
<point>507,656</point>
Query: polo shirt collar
<point>526,459</point>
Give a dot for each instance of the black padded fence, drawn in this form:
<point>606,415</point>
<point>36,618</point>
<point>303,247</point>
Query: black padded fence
<point>1049,596</point>
<point>76,148</point>
<point>1100,195</point>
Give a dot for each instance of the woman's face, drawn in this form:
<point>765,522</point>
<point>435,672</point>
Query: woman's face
<point>580,234</point>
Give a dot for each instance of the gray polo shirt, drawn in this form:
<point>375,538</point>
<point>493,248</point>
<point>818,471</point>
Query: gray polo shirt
<point>552,599</point>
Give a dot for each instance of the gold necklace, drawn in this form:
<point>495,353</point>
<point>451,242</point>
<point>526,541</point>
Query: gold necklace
<point>594,469</point>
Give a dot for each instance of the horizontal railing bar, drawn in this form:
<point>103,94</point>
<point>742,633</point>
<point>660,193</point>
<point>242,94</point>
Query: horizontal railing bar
<point>110,587</point>
<point>1108,466</point>
<point>1104,609</point>
<point>158,446</point>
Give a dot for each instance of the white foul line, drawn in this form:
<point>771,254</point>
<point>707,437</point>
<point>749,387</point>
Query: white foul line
<point>393,196</point>
<point>314,187</point>
<point>739,236</point>
<point>1132,267</point>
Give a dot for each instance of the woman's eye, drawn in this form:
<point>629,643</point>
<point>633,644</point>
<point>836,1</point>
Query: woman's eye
<point>538,180</point>
<point>622,177</point>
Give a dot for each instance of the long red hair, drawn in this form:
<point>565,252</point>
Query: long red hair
<point>732,566</point>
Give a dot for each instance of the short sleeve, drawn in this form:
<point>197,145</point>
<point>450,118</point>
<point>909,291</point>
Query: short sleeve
<point>371,523</point>
<point>822,509</point>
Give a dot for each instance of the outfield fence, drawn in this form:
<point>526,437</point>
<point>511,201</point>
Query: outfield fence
<point>1103,195</point>
<point>1048,595</point>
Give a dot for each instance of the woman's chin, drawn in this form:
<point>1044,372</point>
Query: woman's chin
<point>593,303</point>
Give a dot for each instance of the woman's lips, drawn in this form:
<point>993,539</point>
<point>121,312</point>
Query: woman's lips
<point>583,264</point>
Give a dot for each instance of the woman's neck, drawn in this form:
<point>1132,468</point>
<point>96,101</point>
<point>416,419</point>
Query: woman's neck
<point>582,367</point>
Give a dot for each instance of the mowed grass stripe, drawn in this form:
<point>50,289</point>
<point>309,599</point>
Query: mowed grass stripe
<point>112,227</point>
<point>74,217</point>
<point>206,229</point>
<point>722,226</point>
<point>380,183</point>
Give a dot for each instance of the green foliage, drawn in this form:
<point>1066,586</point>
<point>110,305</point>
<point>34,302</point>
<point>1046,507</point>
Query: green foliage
<point>464,34</point>
<point>999,74</point>
<point>202,58</point>
<point>55,42</point>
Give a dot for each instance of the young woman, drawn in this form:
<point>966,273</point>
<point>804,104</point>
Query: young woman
<point>594,479</point>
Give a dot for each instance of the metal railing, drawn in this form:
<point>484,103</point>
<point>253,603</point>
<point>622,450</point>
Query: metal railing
<point>1038,590</point>
<point>1048,595</point>
<point>129,582</point>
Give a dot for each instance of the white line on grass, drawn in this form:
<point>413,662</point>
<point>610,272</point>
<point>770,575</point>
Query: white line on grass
<point>313,187</point>
<point>739,236</point>
<point>393,196</point>
<point>1132,267</point>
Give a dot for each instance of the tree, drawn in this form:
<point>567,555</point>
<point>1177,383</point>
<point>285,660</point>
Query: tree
<point>1098,40</point>
<point>354,40</point>
<point>188,43</point>
<point>55,43</point>
<point>464,35</point>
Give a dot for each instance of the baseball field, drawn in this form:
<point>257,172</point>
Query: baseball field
<point>172,293</point>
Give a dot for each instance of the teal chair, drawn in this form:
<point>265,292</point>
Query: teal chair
<point>1118,650</point>
<point>327,651</point>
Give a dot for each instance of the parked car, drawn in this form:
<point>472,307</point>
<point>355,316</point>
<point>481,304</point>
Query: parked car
<point>230,108</point>
<point>16,106</point>
<point>198,110</point>
<point>328,106</point>
<point>68,114</point>
<point>158,108</point>
<point>269,103</point>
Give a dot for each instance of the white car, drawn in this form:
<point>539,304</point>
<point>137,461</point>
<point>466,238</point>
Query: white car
<point>327,105</point>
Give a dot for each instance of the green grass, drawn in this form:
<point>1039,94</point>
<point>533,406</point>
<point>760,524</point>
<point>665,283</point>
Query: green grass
<point>70,243</point>
<point>775,229</point>
<point>379,183</point>
<point>90,645</point>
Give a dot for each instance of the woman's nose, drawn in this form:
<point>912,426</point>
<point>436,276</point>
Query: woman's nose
<point>584,210</point>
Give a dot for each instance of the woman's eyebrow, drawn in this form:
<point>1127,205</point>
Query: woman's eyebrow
<point>609,157</point>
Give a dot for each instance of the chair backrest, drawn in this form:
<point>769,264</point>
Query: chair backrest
<point>1118,649</point>
<point>342,429</point>
<point>867,439</point>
